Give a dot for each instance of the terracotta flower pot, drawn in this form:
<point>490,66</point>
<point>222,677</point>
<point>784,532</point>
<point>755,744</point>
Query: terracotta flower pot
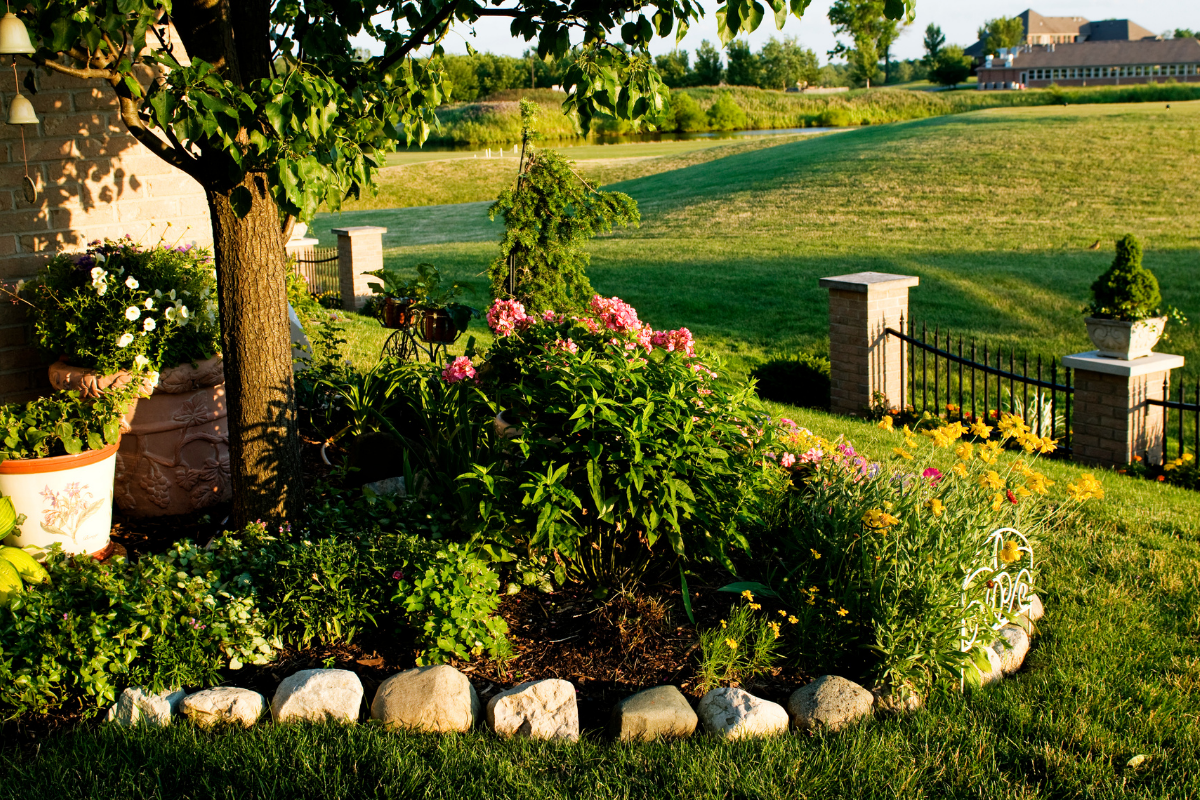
<point>66,500</point>
<point>397,312</point>
<point>439,327</point>
<point>1116,338</point>
<point>174,455</point>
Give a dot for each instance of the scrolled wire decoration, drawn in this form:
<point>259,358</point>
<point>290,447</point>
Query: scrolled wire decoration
<point>1008,588</point>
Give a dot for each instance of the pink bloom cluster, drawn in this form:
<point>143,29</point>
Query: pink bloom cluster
<point>459,369</point>
<point>671,341</point>
<point>615,314</point>
<point>505,317</point>
<point>567,347</point>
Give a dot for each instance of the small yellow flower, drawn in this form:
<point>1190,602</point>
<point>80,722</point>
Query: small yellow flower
<point>1010,552</point>
<point>886,423</point>
<point>815,554</point>
<point>902,453</point>
<point>991,480</point>
<point>1187,456</point>
<point>732,643</point>
<point>842,612</point>
<point>997,501</point>
<point>964,451</point>
<point>722,624</point>
<point>981,429</point>
<point>755,606</point>
<point>878,520</point>
<point>774,626</point>
<point>792,620</point>
<point>960,470</point>
<point>936,506</point>
<point>748,595</point>
<point>782,613</point>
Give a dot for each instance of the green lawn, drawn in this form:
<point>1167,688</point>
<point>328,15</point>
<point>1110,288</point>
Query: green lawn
<point>1114,673</point>
<point>995,210</point>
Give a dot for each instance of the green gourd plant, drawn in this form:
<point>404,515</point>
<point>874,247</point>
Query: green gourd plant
<point>1127,291</point>
<point>549,216</point>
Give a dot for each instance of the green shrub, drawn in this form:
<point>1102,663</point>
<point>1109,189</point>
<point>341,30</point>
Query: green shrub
<point>744,645</point>
<point>164,621</point>
<point>726,115</point>
<point>451,600</point>
<point>307,307</point>
<point>118,304</point>
<point>834,117</point>
<point>800,380</point>
<point>1127,291</point>
<point>689,117</point>
<point>630,448</point>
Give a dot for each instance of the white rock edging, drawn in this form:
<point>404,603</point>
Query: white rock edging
<point>225,704</point>
<point>436,699</point>
<point>317,695</point>
<point>829,702</point>
<point>733,714</point>
<point>139,706</point>
<point>543,709</point>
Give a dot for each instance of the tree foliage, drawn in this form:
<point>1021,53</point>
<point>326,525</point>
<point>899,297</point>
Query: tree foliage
<point>935,40</point>
<point>951,67</point>
<point>1002,32</point>
<point>710,71</point>
<point>873,29</point>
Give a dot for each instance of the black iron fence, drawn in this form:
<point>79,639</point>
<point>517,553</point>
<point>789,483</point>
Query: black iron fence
<point>319,268</point>
<point>960,380</point>
<point>1182,426</point>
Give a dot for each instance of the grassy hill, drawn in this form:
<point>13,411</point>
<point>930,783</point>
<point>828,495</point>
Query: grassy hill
<point>995,210</point>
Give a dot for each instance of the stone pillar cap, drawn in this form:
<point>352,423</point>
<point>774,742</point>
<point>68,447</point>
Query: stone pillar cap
<point>359,230</point>
<point>1092,361</point>
<point>865,281</point>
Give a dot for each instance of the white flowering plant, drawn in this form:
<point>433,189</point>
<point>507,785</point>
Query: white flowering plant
<point>123,306</point>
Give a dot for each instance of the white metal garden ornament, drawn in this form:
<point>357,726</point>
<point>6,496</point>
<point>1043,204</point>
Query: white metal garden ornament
<point>14,41</point>
<point>1009,585</point>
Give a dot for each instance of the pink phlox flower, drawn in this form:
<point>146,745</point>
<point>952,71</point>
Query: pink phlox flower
<point>934,474</point>
<point>787,460</point>
<point>615,314</point>
<point>459,369</point>
<point>504,315</point>
<point>787,423</point>
<point>813,455</point>
<point>549,316</point>
<point>677,341</point>
<point>567,346</point>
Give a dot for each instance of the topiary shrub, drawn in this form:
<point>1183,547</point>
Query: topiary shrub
<point>1127,291</point>
<point>800,380</point>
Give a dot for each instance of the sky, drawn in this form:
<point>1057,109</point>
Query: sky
<point>959,20</point>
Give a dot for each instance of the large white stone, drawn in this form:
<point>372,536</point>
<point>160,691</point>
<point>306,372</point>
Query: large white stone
<point>829,702</point>
<point>227,704</point>
<point>317,695</point>
<point>653,713</point>
<point>137,706</point>
<point>435,699</point>
<point>1036,609</point>
<point>543,709</point>
<point>733,714</point>
<point>1011,647</point>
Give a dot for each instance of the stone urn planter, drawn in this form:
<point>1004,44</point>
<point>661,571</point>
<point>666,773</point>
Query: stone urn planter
<point>1116,338</point>
<point>66,500</point>
<point>174,453</point>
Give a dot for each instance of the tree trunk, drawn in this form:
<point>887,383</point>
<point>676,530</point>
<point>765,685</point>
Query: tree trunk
<point>264,449</point>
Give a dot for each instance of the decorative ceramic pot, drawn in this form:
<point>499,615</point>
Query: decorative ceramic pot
<point>174,456</point>
<point>1116,338</point>
<point>505,428</point>
<point>439,327</point>
<point>66,500</point>
<point>397,312</point>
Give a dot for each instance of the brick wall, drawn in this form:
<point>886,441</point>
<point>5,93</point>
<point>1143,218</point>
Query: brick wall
<point>94,180</point>
<point>1113,422</point>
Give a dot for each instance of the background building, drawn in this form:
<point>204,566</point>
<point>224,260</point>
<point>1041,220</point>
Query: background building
<point>1092,63</point>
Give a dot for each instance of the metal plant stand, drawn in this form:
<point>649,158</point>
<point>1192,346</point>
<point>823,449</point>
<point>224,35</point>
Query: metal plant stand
<point>408,343</point>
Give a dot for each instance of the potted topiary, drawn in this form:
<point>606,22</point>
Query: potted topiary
<point>1123,319</point>
<point>57,464</point>
<point>121,313</point>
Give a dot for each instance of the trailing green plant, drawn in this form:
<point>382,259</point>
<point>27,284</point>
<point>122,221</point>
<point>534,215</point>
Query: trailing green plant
<point>64,423</point>
<point>800,380</point>
<point>121,306</point>
<point>626,448</point>
<point>177,619</point>
<point>451,600</point>
<point>744,645</point>
<point>549,217</point>
<point>1127,291</point>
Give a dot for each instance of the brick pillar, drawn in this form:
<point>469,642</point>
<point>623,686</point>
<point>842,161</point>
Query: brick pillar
<point>1111,422</point>
<point>360,250</point>
<point>861,359</point>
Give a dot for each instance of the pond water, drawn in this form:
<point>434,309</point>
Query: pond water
<point>630,138</point>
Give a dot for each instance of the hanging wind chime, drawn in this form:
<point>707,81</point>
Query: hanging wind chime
<point>14,41</point>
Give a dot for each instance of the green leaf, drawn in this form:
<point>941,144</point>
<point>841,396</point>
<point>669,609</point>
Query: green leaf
<point>95,441</point>
<point>753,586</point>
<point>687,596</point>
<point>8,516</point>
<point>241,200</point>
<point>753,16</point>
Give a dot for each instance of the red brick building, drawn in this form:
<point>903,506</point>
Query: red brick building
<point>1089,63</point>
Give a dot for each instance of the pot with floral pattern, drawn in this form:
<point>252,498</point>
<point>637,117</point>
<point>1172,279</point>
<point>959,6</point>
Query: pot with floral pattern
<point>174,455</point>
<point>66,500</point>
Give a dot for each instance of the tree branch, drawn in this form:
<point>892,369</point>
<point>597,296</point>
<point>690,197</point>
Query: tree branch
<point>83,73</point>
<point>417,38</point>
<point>129,107</point>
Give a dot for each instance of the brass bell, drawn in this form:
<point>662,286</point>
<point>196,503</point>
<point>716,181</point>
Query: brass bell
<point>14,39</point>
<point>20,112</point>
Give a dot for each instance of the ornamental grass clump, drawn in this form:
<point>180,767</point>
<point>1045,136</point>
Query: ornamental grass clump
<point>628,448</point>
<point>876,552</point>
<point>121,306</point>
